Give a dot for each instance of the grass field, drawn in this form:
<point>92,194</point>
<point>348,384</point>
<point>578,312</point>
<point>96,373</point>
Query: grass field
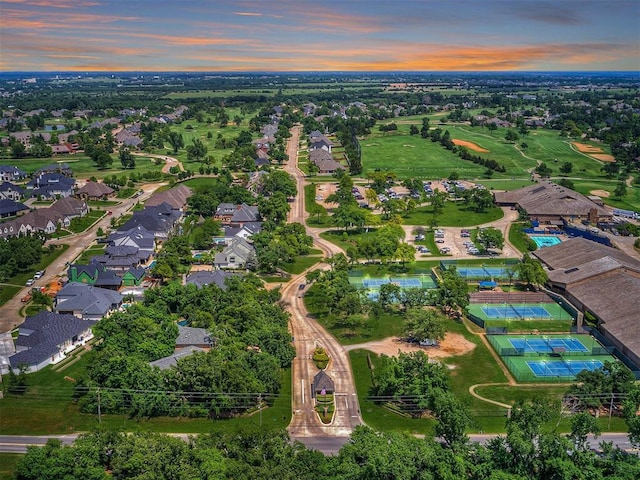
<point>81,224</point>
<point>8,462</point>
<point>453,215</point>
<point>301,264</point>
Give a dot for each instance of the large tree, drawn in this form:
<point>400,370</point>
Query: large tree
<point>424,323</point>
<point>452,293</point>
<point>531,272</point>
<point>490,237</point>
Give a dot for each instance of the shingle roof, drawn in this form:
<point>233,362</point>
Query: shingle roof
<point>217,277</point>
<point>322,381</point>
<point>95,189</point>
<point>10,207</point>
<point>172,360</point>
<point>192,336</point>
<point>87,299</point>
<point>176,197</point>
<point>548,198</point>
<point>42,333</point>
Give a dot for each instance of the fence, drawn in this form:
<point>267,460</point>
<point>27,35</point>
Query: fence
<point>577,232</point>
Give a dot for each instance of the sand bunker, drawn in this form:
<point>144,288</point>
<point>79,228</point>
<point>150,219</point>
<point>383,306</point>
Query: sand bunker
<point>593,151</point>
<point>586,148</point>
<point>600,193</point>
<point>603,157</point>
<point>453,344</point>
<point>469,145</point>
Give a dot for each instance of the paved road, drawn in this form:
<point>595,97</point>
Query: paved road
<point>305,425</point>
<point>10,312</point>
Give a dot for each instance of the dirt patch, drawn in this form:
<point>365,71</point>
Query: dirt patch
<point>600,193</point>
<point>453,344</point>
<point>469,145</point>
<point>323,190</point>
<point>603,157</point>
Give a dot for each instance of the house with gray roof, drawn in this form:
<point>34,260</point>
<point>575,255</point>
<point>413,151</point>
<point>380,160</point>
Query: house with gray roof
<point>51,186</point>
<point>237,214</point>
<point>161,220</point>
<point>601,281</point>
<point>322,384</point>
<point>86,301</point>
<point>237,255</point>
<point>137,236</point>
<point>190,340</point>
<point>203,278</point>
<point>9,173</point>
<point>9,191</point>
<point>46,338</point>
<point>9,208</point>
<point>121,258</point>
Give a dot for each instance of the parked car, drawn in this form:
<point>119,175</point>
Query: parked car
<point>30,282</point>
<point>439,240</point>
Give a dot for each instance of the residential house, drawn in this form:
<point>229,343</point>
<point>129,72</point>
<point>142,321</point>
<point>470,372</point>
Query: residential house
<point>602,282</point>
<point>238,254</point>
<point>176,197</point>
<point>9,208</point>
<point>88,274</point>
<point>122,258</point>
<point>138,237</point>
<point>46,338</point>
<point>9,191</point>
<point>9,173</point>
<point>51,186</point>
<point>69,208</point>
<point>133,277</point>
<point>86,301</point>
<point>62,149</point>
<point>61,168</point>
<point>237,214</point>
<point>161,220</point>
<point>203,278</point>
<point>190,340</point>
<point>245,231</point>
<point>321,143</point>
<point>550,203</point>
<point>95,191</point>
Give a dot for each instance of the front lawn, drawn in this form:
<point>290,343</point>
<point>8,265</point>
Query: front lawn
<point>80,224</point>
<point>301,264</point>
<point>453,215</point>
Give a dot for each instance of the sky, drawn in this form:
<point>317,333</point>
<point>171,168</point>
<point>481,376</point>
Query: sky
<point>319,35</point>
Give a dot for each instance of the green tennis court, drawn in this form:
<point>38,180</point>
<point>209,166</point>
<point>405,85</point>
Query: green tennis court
<point>519,311</point>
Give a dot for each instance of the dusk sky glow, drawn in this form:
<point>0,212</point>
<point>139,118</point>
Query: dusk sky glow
<point>319,35</point>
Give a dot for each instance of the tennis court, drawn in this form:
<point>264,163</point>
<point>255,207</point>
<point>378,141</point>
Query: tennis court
<point>548,345</point>
<point>562,368</point>
<point>480,272</point>
<point>408,281</point>
<point>516,311</point>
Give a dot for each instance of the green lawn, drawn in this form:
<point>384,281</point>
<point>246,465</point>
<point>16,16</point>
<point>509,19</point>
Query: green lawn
<point>47,408</point>
<point>519,239</point>
<point>81,224</point>
<point>453,215</point>
<point>102,203</point>
<point>320,219</point>
<point>8,462</point>
<point>92,251</point>
<point>301,264</point>
<point>198,182</point>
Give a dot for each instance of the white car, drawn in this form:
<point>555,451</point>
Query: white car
<point>30,282</point>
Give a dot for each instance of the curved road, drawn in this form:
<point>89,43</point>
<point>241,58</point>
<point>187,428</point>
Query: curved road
<point>305,425</point>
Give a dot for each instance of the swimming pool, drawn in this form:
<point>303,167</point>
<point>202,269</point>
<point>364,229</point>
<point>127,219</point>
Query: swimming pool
<point>545,240</point>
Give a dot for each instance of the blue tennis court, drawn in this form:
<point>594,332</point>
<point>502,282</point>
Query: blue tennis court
<point>400,281</point>
<point>516,311</point>
<point>546,345</point>
<point>483,272</point>
<point>562,368</point>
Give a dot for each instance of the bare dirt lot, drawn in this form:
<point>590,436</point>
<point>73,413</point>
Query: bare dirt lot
<point>452,345</point>
<point>600,193</point>
<point>469,145</point>
<point>324,190</point>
